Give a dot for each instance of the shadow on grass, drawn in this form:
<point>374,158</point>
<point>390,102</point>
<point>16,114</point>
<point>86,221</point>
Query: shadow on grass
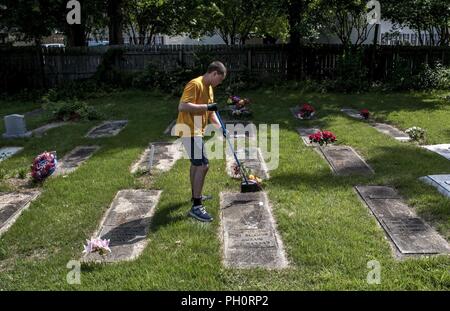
<point>163,217</point>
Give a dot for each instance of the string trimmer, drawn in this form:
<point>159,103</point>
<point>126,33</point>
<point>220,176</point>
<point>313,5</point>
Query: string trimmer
<point>246,185</point>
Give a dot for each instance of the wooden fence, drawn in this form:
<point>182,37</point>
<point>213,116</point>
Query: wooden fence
<point>38,67</point>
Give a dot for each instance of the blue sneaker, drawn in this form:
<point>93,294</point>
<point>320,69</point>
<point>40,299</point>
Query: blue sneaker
<point>198,212</point>
<point>205,197</point>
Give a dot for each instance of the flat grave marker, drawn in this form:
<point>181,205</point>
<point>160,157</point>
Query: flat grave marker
<point>159,155</point>
<point>126,225</point>
<point>74,159</point>
<point>12,204</point>
<point>408,232</point>
<point>248,232</point>
<point>107,129</point>
<point>344,161</point>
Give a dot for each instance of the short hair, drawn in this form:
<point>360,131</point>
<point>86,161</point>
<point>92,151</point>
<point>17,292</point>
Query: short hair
<point>217,66</point>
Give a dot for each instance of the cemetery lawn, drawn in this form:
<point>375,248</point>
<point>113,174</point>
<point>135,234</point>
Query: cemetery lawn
<point>328,234</point>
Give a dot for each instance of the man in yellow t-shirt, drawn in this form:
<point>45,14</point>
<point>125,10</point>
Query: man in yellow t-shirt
<point>195,109</point>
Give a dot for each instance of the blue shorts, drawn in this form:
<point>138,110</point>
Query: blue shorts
<point>195,148</point>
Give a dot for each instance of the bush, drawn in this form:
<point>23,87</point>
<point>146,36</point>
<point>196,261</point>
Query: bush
<point>436,77</point>
<point>351,73</point>
<point>170,82</point>
<point>77,90</point>
<point>72,111</point>
<point>400,77</point>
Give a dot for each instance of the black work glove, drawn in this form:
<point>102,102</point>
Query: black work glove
<point>212,107</point>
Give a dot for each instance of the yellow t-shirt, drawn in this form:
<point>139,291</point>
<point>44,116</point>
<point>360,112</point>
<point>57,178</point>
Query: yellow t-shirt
<point>195,92</point>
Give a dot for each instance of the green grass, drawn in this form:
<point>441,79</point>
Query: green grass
<point>328,234</point>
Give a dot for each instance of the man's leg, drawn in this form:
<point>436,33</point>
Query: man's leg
<point>198,170</point>
<point>199,179</point>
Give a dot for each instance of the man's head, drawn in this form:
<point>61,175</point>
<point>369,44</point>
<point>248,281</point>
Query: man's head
<point>216,73</point>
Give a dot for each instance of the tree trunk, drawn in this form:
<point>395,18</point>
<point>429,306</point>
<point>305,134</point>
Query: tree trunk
<point>115,22</point>
<point>76,35</point>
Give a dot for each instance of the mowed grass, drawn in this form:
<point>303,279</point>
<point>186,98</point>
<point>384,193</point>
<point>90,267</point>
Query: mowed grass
<point>328,234</point>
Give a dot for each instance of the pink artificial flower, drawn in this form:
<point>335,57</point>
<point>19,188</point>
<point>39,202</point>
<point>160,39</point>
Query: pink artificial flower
<point>97,245</point>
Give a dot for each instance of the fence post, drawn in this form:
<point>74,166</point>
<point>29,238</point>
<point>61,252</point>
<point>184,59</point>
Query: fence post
<point>249,59</point>
<point>180,56</point>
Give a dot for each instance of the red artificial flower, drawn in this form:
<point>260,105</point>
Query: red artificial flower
<point>322,137</point>
<point>306,110</point>
<point>364,113</point>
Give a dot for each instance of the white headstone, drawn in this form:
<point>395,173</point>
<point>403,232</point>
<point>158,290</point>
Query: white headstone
<point>440,182</point>
<point>15,126</point>
<point>6,152</point>
<point>442,149</point>
<point>352,113</point>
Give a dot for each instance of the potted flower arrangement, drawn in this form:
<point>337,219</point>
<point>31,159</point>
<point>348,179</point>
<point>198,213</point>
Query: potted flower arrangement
<point>240,106</point>
<point>96,245</point>
<point>306,111</point>
<point>43,165</point>
<point>416,134</point>
<point>251,176</point>
<point>364,113</point>
<point>322,137</point>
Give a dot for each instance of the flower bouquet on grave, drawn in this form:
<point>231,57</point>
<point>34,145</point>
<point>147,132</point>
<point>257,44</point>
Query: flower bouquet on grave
<point>96,245</point>
<point>322,137</point>
<point>364,113</point>
<point>240,108</point>
<point>306,111</point>
<point>251,176</point>
<point>416,134</point>
<point>43,165</point>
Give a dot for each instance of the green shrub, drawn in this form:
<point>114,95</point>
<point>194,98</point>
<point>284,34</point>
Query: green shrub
<point>78,89</point>
<point>351,73</point>
<point>436,77</point>
<point>72,110</point>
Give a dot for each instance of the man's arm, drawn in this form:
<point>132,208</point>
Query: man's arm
<point>190,107</point>
<point>213,119</point>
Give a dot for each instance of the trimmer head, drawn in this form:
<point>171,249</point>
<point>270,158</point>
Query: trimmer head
<point>250,186</point>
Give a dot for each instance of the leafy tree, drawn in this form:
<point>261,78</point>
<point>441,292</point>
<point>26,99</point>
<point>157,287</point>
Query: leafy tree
<point>423,16</point>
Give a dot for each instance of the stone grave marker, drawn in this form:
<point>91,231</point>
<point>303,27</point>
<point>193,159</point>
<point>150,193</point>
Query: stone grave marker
<point>74,159</point>
<point>6,152</point>
<point>345,161</point>
<point>391,131</point>
<point>248,232</point>
<point>159,155</point>
<point>38,132</point>
<point>126,225</point>
<point>304,134</point>
<point>408,232</point>
<point>15,126</point>
<point>440,182</point>
<point>107,129</point>
<point>441,149</point>
<point>12,204</point>
<point>352,113</point>
<point>251,158</point>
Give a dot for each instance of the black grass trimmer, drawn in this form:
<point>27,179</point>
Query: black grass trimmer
<point>246,185</point>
